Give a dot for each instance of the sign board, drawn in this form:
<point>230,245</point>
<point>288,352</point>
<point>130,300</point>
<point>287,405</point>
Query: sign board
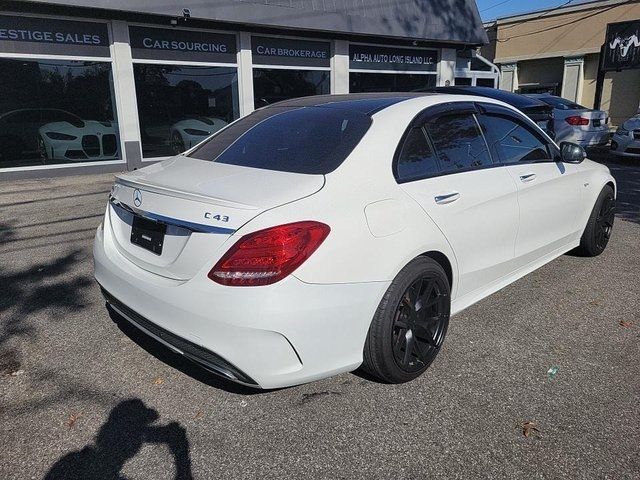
<point>48,35</point>
<point>188,45</point>
<point>373,57</point>
<point>622,47</point>
<point>286,51</point>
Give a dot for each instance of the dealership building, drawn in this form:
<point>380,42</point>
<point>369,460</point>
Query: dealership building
<point>93,86</point>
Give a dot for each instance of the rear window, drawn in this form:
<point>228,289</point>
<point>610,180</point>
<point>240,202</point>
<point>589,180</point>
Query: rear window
<point>310,140</point>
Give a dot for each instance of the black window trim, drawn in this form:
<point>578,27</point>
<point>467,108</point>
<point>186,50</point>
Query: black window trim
<point>431,114</point>
<point>474,108</point>
<point>526,122</point>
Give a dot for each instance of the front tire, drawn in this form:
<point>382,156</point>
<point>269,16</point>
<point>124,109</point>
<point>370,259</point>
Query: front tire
<point>410,323</point>
<point>177,143</point>
<point>599,227</point>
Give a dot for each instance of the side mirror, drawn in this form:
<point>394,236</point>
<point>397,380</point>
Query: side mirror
<point>572,152</point>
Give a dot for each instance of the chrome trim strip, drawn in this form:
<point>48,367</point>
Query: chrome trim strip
<point>195,227</point>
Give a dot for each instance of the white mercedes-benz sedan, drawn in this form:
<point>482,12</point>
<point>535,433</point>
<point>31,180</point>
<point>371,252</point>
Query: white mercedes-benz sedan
<point>322,234</point>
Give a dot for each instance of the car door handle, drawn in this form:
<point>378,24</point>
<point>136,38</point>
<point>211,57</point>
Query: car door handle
<point>447,198</point>
<point>529,177</point>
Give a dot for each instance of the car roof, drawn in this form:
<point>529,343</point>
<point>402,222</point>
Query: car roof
<point>366,103</point>
<point>515,99</point>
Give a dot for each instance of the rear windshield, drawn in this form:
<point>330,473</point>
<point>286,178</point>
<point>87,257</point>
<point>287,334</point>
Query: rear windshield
<point>311,140</point>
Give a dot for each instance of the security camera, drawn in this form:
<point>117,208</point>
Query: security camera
<point>186,13</point>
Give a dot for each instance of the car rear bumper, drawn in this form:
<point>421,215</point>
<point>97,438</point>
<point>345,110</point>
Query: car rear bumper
<point>274,336</point>
<point>625,146</point>
<point>588,138</point>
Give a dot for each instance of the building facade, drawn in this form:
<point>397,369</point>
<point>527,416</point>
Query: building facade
<point>558,51</point>
<point>111,85</point>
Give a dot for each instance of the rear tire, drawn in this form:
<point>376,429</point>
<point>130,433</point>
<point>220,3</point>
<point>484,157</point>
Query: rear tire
<point>410,323</point>
<point>599,227</point>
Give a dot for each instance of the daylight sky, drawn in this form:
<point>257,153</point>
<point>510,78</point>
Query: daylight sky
<point>491,9</point>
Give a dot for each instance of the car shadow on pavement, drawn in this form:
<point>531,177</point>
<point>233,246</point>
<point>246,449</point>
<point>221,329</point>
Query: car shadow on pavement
<point>130,425</point>
<point>177,361</point>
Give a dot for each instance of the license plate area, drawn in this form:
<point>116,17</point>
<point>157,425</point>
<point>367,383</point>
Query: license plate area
<point>148,234</point>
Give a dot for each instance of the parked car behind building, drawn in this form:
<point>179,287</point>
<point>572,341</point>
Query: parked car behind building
<point>574,123</point>
<point>626,140</point>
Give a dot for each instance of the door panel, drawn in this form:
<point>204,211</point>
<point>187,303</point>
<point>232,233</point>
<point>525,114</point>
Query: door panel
<point>549,198</point>
<point>478,213</point>
<point>548,191</point>
<point>445,164</point>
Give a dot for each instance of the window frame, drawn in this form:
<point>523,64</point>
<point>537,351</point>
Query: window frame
<point>490,109</point>
<point>477,109</point>
<point>432,114</point>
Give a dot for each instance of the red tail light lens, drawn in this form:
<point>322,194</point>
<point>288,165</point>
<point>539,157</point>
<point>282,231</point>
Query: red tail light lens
<point>577,120</point>
<point>267,256</point>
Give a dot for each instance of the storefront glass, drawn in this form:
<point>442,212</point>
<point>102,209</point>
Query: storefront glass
<point>56,111</point>
<point>389,82</point>
<point>179,106</point>
<point>274,85</point>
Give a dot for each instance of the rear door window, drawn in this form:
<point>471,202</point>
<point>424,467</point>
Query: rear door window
<point>310,140</point>
<point>416,159</point>
<point>458,142</point>
<point>514,141</point>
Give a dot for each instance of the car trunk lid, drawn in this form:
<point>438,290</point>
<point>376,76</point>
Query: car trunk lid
<point>197,205</point>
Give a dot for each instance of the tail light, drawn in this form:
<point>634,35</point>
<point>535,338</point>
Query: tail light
<point>577,120</point>
<point>267,256</point>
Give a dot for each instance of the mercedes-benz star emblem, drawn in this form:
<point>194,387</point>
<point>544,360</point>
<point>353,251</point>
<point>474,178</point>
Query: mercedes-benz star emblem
<point>137,197</point>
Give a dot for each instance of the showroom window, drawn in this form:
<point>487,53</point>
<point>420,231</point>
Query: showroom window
<point>375,68</point>
<point>55,111</point>
<point>186,87</point>
<point>289,68</point>
<point>179,106</point>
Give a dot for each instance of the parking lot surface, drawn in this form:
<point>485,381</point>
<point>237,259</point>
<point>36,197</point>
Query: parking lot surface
<point>540,380</point>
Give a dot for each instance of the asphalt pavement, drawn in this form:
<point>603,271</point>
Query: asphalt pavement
<point>540,380</point>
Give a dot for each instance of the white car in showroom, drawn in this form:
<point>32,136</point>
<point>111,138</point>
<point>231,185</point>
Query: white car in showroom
<point>189,132</point>
<point>71,138</point>
<point>577,124</point>
<point>626,140</point>
<point>321,234</point>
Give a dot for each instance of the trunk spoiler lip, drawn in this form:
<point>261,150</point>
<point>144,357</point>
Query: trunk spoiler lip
<point>194,227</point>
<point>163,190</point>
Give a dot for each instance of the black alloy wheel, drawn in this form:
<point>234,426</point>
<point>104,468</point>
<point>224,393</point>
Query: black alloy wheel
<point>599,228</point>
<point>410,323</point>
<point>420,325</point>
<point>604,222</point>
<point>177,143</point>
